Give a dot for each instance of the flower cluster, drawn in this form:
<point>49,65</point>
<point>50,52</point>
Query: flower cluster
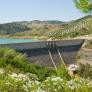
<point>56,84</point>
<point>27,82</point>
<point>1,71</point>
<point>19,76</point>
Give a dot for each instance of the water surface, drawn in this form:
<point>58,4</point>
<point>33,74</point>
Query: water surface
<point>11,40</point>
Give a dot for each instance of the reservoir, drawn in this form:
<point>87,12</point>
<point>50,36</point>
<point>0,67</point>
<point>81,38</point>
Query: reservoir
<point>11,40</point>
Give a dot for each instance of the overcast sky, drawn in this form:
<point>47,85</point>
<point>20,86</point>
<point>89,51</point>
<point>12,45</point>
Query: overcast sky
<point>27,10</point>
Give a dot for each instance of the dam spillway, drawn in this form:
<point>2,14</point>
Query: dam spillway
<point>48,53</point>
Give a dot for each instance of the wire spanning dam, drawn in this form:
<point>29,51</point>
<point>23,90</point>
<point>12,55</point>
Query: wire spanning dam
<point>49,53</point>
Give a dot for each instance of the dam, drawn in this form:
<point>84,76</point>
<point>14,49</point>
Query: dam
<point>49,53</point>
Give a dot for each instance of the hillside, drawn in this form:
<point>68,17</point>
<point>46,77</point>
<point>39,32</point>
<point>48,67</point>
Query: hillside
<point>73,29</point>
<point>29,28</point>
<point>11,28</point>
<point>47,29</point>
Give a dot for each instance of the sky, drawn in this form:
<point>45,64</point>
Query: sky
<point>27,10</point>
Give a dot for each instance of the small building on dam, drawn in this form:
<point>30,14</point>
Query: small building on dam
<point>49,53</point>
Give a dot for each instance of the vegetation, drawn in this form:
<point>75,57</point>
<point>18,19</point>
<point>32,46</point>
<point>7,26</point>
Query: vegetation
<point>64,73</point>
<point>18,75</point>
<point>11,28</point>
<point>85,71</point>
<point>28,28</point>
<point>15,62</point>
<point>13,82</point>
<point>84,5</point>
<point>74,29</point>
<point>57,84</point>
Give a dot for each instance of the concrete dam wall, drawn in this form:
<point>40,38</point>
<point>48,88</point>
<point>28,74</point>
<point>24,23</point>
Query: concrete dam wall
<point>49,53</point>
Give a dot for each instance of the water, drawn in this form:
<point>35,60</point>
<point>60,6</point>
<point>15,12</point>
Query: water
<point>10,40</point>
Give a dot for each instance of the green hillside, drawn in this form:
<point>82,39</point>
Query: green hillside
<point>75,28</point>
<point>11,28</point>
<point>29,28</point>
<point>47,29</point>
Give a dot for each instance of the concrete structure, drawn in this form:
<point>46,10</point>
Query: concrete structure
<point>49,53</point>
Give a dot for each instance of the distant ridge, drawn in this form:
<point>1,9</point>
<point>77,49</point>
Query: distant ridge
<point>37,28</point>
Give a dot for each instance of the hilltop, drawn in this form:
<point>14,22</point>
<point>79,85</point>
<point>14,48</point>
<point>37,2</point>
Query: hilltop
<point>47,29</point>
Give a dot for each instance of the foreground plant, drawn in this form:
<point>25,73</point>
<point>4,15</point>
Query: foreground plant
<point>13,82</point>
<point>56,84</point>
<point>13,61</point>
<point>27,82</point>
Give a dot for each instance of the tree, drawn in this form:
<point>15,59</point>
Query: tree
<point>90,6</point>
<point>84,5</point>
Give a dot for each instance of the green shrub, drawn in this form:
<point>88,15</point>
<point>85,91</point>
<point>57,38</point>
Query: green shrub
<point>85,71</point>
<point>62,72</point>
<point>11,57</point>
<point>57,84</point>
<point>17,62</point>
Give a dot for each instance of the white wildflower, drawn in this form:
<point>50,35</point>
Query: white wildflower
<point>1,71</point>
<point>19,77</point>
<point>40,90</point>
<point>55,78</point>
<point>71,84</point>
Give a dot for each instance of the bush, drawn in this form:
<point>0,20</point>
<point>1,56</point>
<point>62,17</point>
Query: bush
<point>17,62</point>
<point>27,82</point>
<point>62,72</point>
<point>85,71</point>
<point>57,84</point>
<point>22,82</point>
<point>13,58</point>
